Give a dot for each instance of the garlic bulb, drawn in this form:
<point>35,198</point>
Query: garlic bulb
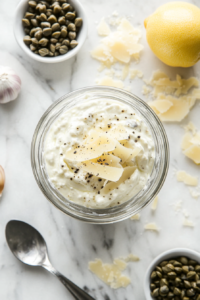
<point>10,84</point>
<point>2,180</point>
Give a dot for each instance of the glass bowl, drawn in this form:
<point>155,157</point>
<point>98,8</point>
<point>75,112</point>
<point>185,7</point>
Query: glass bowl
<point>128,208</point>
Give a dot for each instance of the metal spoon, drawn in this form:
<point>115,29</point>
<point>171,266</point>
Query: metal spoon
<point>28,245</point>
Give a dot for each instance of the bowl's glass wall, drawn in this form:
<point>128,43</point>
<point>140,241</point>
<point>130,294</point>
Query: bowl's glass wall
<point>127,209</point>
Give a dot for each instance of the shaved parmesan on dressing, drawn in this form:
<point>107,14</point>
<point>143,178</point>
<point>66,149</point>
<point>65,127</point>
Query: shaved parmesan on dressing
<point>186,178</point>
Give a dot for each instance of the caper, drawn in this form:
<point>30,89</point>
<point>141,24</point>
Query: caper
<point>163,263</point>
<point>34,42</point>
<point>197,268</point>
<point>42,9</point>
<point>34,22</point>
<point>187,284</point>
<point>27,30</point>
<point>38,35</point>
<point>61,20</point>
<point>33,4</point>
<point>191,275</point>
<point>43,52</point>
<point>152,286</point>
<point>190,292</point>
<point>53,41</point>
<point>57,47</point>
<point>155,292</point>
<point>177,281</point>
<point>56,34</point>
<point>70,16</point>
<point>164,289</point>
<point>172,275</point>
<point>26,22</point>
<point>71,27</point>
<point>66,42</point>
<point>45,25</point>
<point>153,275</point>
<point>170,295</point>
<point>29,15</point>
<point>34,30</point>
<point>51,54</point>
<point>43,17</point>
<point>47,31</point>
<point>177,264</point>
<point>72,35</point>
<point>184,260</point>
<point>55,27</point>
<point>27,40</point>
<point>177,291</point>
<point>178,270</point>
<point>78,22</point>
<point>64,31</point>
<point>43,42</point>
<point>52,19</point>
<point>63,49</point>
<point>56,9</point>
<point>185,269</point>
<point>33,48</point>
<point>65,7</point>
<point>56,53</point>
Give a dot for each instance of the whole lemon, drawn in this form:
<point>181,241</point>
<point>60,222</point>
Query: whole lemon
<point>173,33</point>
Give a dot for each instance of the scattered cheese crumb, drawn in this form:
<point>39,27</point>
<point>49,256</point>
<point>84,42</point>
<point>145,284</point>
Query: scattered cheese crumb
<point>109,273</point>
<point>194,193</point>
<point>151,226</point>
<point>120,264</point>
<point>108,81</point>
<point>115,13</point>
<point>182,176</point>
<point>154,203</point>
<point>134,73</point>
<point>135,217</point>
<point>188,223</point>
<point>191,143</point>
<point>173,99</point>
<point>132,258</point>
<point>103,28</point>
<point>146,90</point>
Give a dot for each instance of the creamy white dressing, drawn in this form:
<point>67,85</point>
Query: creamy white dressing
<point>71,128</point>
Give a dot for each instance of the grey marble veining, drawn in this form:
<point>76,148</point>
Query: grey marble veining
<point>71,243</point>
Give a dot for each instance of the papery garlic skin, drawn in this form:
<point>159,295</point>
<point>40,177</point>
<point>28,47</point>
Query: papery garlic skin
<point>2,180</point>
<point>10,85</point>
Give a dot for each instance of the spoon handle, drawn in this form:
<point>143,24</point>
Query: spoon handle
<point>78,293</point>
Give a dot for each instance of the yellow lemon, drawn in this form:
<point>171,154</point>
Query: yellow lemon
<point>173,33</point>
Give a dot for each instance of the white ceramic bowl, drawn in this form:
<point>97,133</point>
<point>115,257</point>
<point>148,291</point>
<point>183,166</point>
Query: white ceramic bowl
<point>166,256</point>
<point>19,33</point>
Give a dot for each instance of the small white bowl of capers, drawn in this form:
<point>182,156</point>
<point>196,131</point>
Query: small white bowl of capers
<point>50,31</point>
<point>174,274</point>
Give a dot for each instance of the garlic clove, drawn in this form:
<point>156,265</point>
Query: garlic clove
<point>2,180</point>
<point>10,85</point>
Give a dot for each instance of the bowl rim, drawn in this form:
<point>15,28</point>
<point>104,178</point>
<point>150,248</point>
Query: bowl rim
<point>18,34</point>
<point>166,255</point>
<point>90,215</point>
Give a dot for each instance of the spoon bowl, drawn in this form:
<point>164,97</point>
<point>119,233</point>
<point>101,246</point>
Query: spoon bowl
<point>26,243</point>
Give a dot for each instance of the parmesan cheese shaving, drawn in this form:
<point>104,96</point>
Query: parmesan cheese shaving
<point>154,203</point>
<point>173,99</point>
<point>109,273</point>
<point>191,143</point>
<point>127,172</point>
<point>108,81</point>
<point>151,226</point>
<point>92,150</point>
<point>103,29</point>
<point>186,178</point>
<point>188,223</point>
<point>132,258</point>
<point>135,217</point>
<point>121,264</point>
<point>105,172</point>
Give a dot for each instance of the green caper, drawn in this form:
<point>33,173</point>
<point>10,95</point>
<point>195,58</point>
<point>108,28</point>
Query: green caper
<point>45,25</point>
<point>51,54</point>
<point>66,42</point>
<point>155,292</point>
<point>56,34</point>
<point>26,22</point>
<point>27,31</point>
<point>78,22</point>
<point>29,16</point>
<point>52,48</point>
<point>38,35</point>
<point>177,281</point>
<point>172,275</point>
<point>164,290</point>
<point>183,260</point>
<point>55,27</point>
<point>72,35</point>
<point>54,41</point>
<point>191,275</point>
<point>187,284</point>
<point>47,31</point>
<point>163,263</point>
<point>152,286</point>
<point>52,19</point>
<point>190,292</point>
<point>43,42</point>
<point>32,4</point>
<point>58,45</point>
<point>34,42</point>
<point>197,268</point>
<point>65,7</point>
<point>177,291</point>
<point>61,20</point>
<point>185,269</point>
<point>27,40</point>
<point>34,30</point>
<point>178,270</point>
<point>56,9</point>
<point>63,49</point>
<point>64,31</point>
<point>43,17</point>
<point>43,52</point>
<point>33,48</point>
<point>34,22</point>
<point>70,16</point>
<point>71,27</point>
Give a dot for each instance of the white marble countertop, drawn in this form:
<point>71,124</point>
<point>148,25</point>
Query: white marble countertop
<point>72,243</point>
